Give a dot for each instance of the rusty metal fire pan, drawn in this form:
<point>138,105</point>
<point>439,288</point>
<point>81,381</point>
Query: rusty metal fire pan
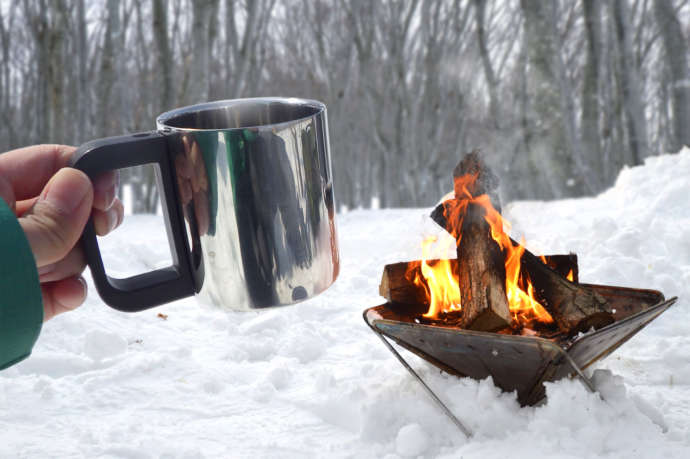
<point>516,363</point>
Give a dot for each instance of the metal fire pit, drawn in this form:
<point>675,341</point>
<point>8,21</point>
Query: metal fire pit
<point>516,363</point>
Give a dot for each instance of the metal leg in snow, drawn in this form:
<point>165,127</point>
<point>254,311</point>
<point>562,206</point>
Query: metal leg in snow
<point>432,394</point>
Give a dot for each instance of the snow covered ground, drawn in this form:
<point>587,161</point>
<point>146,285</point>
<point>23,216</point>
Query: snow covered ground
<point>313,381</point>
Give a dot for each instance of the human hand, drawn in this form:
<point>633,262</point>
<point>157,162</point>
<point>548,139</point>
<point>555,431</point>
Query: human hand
<point>192,181</point>
<point>53,203</point>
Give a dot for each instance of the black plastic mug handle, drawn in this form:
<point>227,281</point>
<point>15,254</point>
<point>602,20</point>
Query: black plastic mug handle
<point>153,288</point>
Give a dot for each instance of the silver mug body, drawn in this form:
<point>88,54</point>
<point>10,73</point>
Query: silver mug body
<point>253,179</point>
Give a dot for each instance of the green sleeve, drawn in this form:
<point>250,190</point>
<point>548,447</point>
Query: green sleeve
<point>21,305</point>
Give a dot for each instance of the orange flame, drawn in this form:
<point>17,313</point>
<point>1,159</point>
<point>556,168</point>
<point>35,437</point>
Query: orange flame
<point>441,284</point>
<point>570,276</point>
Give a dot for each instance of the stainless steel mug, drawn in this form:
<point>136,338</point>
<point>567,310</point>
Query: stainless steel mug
<point>247,198</point>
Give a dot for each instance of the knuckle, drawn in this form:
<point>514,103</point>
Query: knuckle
<point>52,231</point>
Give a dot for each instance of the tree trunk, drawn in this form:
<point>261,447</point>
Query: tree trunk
<point>676,52</point>
<point>107,118</point>
<point>550,118</point>
<point>632,95</point>
<point>56,72</point>
<point>591,140</point>
<point>480,7</point>
<point>166,99</point>
<point>82,78</point>
<point>199,72</point>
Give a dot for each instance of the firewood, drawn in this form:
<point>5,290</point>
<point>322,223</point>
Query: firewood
<point>485,182</point>
<point>439,216</point>
<point>481,275</point>
<point>481,263</point>
<point>481,269</point>
<point>574,308</point>
<point>564,265</point>
<point>397,286</point>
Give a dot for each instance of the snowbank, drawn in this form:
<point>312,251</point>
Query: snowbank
<point>313,381</point>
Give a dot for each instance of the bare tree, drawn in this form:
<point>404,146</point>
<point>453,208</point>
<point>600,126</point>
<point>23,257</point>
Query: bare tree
<point>203,13</point>
<point>83,105</point>
<point>631,90</point>
<point>553,144</point>
<point>559,94</point>
<point>676,62</point>
<point>163,55</point>
<point>489,74</point>
<point>107,96</point>
<point>6,86</point>
<point>591,140</point>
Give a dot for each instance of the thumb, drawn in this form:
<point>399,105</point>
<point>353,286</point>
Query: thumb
<point>56,221</point>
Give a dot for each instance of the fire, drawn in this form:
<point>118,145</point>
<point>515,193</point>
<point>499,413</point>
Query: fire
<point>441,283</point>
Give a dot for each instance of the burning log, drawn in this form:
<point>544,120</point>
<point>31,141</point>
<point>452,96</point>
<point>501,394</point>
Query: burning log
<point>398,286</point>
<point>481,275</point>
<point>486,183</point>
<point>565,265</point>
<point>574,308</point>
<point>481,264</point>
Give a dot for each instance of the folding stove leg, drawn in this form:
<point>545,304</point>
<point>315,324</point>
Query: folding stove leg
<point>456,421</point>
<point>585,380</point>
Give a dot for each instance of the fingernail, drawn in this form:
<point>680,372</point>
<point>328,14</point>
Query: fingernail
<point>66,190</point>
<point>113,219</point>
<point>82,281</point>
<point>107,184</point>
<point>109,198</point>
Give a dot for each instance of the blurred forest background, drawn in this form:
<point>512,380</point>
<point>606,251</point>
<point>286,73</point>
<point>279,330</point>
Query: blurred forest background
<point>558,94</point>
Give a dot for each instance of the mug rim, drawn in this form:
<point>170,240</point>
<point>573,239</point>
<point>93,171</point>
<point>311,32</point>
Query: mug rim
<point>166,117</point>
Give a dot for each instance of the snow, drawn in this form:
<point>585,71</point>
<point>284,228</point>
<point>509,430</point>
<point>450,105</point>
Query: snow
<point>314,381</point>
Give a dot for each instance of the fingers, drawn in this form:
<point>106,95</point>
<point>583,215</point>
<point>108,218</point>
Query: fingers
<point>105,222</point>
<point>28,169</point>
<point>56,221</point>
<point>104,190</point>
<point>62,296</point>
<point>72,265</point>
<point>24,206</point>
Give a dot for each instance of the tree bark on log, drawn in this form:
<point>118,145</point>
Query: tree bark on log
<point>397,286</point>
<point>575,308</point>
<point>481,275</point>
<point>481,264</point>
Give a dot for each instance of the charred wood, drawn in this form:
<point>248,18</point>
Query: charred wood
<point>481,275</point>
<point>574,308</point>
<point>481,265</point>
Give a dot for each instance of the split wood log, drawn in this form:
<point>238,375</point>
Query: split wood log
<point>481,275</point>
<point>397,287</point>
<point>565,265</point>
<point>486,183</point>
<point>481,270</point>
<point>574,308</point>
<point>481,263</point>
